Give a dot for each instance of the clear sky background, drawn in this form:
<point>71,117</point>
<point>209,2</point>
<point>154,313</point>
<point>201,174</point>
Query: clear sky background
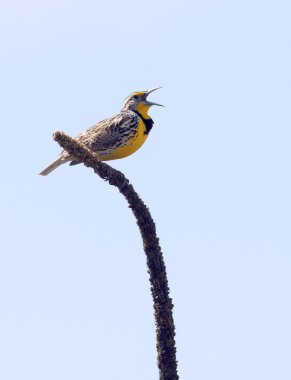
<point>215,172</point>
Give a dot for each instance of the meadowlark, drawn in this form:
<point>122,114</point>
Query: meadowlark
<point>118,136</point>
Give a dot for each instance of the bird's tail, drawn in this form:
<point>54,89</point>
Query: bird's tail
<point>55,164</point>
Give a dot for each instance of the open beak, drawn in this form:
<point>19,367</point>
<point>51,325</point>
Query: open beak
<point>149,92</point>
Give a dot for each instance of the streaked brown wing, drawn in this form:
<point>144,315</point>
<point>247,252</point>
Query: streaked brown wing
<point>105,134</point>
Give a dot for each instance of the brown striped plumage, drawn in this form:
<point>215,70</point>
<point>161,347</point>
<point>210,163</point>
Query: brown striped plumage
<point>118,136</point>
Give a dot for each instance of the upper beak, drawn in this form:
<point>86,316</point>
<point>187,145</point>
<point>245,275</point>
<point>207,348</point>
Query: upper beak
<point>149,92</point>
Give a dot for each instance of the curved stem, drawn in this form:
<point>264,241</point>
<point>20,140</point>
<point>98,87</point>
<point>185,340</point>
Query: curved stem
<point>165,329</point>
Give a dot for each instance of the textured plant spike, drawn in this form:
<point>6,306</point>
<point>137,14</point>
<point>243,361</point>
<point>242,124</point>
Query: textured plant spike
<point>165,328</point>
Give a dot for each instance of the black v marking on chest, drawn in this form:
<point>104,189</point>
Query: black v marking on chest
<point>148,123</point>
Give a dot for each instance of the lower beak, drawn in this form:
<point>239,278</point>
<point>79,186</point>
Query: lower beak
<point>152,103</point>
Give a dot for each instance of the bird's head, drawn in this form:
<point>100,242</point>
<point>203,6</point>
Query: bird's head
<point>138,102</point>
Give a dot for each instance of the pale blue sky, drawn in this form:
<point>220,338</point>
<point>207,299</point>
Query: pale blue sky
<point>215,172</point>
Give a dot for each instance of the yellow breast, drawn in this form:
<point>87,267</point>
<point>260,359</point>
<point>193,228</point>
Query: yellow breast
<point>130,146</point>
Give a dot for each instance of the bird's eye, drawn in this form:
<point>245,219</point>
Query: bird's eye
<point>135,97</point>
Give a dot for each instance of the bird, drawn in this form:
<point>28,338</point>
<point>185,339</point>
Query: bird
<point>118,136</point>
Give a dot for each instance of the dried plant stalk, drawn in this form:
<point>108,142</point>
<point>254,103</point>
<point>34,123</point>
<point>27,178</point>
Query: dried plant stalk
<point>165,328</point>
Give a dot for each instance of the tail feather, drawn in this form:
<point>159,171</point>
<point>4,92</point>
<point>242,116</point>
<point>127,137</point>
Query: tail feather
<point>54,165</point>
